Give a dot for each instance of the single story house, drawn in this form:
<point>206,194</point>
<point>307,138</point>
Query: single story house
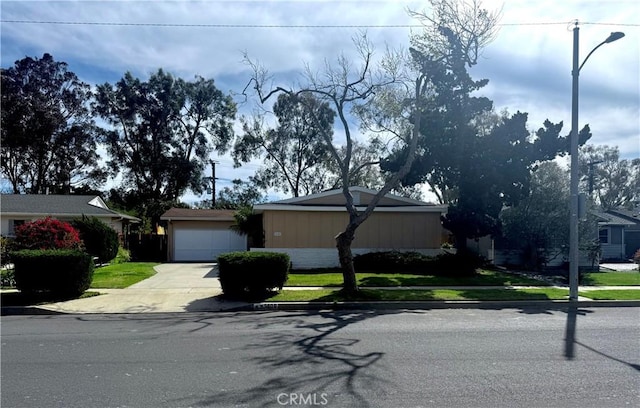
<point>631,231</point>
<point>305,227</point>
<point>200,235</point>
<point>612,233</point>
<point>16,209</point>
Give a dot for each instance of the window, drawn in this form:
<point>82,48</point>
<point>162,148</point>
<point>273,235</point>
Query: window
<point>604,235</point>
<point>12,226</point>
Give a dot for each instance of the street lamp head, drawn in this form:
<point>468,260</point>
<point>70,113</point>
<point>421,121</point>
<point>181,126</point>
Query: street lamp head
<point>614,36</point>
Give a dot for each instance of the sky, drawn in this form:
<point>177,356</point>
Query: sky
<point>528,65</point>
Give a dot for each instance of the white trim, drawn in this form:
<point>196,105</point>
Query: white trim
<point>171,219</point>
<point>317,208</point>
<point>97,202</point>
<point>355,189</point>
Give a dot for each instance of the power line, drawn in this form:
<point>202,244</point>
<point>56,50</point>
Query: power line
<point>193,25</point>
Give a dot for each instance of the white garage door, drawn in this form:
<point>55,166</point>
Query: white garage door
<point>205,245</point>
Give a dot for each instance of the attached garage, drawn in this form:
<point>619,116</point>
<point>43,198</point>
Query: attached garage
<point>201,235</point>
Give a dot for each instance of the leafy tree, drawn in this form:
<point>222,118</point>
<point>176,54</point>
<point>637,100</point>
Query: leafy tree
<point>100,240</point>
<point>474,161</point>
<point>240,194</point>
<point>165,129</point>
<point>612,181</point>
<point>293,150</point>
<point>540,220</point>
<point>49,137</point>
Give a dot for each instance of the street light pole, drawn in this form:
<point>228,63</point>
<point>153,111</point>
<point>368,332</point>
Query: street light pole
<point>574,251</point>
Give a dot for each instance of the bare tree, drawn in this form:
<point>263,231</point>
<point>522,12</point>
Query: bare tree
<point>344,87</point>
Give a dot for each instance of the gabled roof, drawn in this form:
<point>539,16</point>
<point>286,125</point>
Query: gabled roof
<point>186,214</point>
<point>334,200</point>
<point>629,215</point>
<point>607,219</point>
<point>40,205</point>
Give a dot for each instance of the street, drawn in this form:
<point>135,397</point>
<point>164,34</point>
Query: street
<point>517,357</point>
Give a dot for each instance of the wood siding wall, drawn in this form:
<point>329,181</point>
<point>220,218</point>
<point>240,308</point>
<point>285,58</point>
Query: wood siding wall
<point>314,229</point>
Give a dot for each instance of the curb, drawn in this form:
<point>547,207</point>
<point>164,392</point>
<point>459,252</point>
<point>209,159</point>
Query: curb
<point>417,305</point>
<point>383,305</point>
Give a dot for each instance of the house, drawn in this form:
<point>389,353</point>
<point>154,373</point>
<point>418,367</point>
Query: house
<point>631,231</point>
<point>200,235</point>
<point>612,231</point>
<point>305,227</point>
<point>16,209</point>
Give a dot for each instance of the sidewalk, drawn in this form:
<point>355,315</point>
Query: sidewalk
<point>195,287</point>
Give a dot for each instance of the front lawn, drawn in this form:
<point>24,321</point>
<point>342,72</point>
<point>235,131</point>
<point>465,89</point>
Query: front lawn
<point>611,279</point>
<point>604,294</point>
<point>335,295</point>
<point>118,276</point>
<point>482,278</point>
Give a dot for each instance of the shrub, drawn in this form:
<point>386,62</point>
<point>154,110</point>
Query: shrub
<point>123,256</point>
<point>454,265</point>
<point>388,261</point>
<point>47,233</point>
<point>59,271</point>
<point>252,273</point>
<point>7,278</point>
<point>6,246</point>
<point>100,240</point>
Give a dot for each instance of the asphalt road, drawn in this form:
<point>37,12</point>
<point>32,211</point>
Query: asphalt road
<point>434,358</point>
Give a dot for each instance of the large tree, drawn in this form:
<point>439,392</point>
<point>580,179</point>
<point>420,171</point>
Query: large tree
<point>49,138</point>
<point>164,130</point>
<point>613,182</point>
<point>293,151</point>
<point>475,161</point>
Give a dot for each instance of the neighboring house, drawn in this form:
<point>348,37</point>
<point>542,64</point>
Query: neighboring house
<point>201,235</point>
<point>612,233</point>
<point>631,234</point>
<point>16,209</point>
<point>305,227</point>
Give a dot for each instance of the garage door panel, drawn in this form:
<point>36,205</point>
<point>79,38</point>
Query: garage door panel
<point>205,245</point>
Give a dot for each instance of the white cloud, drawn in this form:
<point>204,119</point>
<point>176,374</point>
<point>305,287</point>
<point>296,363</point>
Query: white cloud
<point>529,66</point>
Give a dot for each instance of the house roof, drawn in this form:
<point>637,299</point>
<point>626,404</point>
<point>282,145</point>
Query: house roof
<point>605,219</point>
<point>187,214</point>
<point>333,200</point>
<point>57,205</point>
<point>630,215</point>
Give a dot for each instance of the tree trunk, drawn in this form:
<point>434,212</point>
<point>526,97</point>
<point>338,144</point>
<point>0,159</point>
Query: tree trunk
<point>343,243</point>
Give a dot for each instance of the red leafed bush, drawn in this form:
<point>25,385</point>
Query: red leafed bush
<point>47,233</point>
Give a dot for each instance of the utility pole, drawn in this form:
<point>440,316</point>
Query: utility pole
<point>213,183</point>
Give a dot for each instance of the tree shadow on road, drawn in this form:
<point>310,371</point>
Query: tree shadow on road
<point>311,360</point>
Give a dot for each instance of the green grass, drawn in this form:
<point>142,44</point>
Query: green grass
<point>334,295</point>
<point>482,278</point>
<point>118,276</point>
<point>611,279</point>
<point>21,299</point>
<point>620,294</point>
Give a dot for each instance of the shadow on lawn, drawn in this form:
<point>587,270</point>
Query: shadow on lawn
<point>38,298</point>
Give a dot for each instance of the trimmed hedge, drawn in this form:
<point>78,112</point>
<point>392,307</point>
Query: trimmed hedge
<point>453,265</point>
<point>100,240</point>
<point>59,271</point>
<point>252,273</point>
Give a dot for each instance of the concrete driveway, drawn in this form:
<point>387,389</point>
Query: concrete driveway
<point>177,287</point>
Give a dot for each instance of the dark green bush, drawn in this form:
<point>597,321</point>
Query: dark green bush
<point>447,264</point>
<point>390,261</point>
<point>59,271</point>
<point>252,274</point>
<point>100,240</point>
